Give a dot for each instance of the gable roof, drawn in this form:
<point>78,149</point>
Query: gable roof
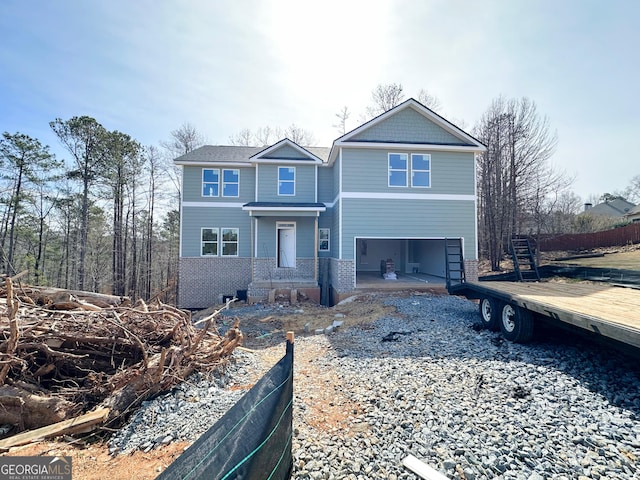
<point>288,150</point>
<point>444,134</point>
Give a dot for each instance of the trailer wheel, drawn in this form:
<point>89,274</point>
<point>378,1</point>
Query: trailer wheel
<point>516,323</point>
<point>490,313</point>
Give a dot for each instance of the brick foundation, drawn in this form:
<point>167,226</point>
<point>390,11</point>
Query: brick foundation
<point>204,280</point>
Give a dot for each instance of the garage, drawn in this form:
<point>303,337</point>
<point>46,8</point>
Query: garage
<point>419,260</point>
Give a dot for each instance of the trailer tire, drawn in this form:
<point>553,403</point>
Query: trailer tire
<point>490,313</point>
<point>516,323</point>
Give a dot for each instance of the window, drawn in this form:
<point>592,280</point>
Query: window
<point>398,169</point>
<point>229,242</point>
<point>286,180</point>
<point>230,183</point>
<point>209,241</point>
<point>420,170</point>
<point>323,239</point>
<point>210,182</point>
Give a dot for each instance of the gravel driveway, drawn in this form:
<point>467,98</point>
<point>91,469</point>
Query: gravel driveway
<point>425,382</point>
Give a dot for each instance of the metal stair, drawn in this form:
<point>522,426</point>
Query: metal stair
<point>454,261</point>
<point>524,261</point>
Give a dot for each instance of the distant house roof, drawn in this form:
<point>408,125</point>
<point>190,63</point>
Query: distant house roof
<point>617,207</point>
<point>634,213</point>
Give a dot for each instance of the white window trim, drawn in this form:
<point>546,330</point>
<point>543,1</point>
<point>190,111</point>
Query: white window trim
<point>203,182</point>
<point>237,242</point>
<point>419,170</point>
<point>223,183</point>
<point>389,170</point>
<point>328,230</point>
<point>294,183</point>
<point>202,242</point>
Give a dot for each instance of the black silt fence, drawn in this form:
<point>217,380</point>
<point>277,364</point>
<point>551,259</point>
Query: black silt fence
<point>252,440</point>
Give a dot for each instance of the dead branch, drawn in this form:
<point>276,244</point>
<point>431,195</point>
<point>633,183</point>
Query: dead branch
<point>68,352</point>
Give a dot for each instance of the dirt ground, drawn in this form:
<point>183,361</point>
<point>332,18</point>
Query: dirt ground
<point>626,257</point>
<point>326,408</point>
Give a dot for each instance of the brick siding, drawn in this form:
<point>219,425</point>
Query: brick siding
<point>204,280</point>
<point>471,270</point>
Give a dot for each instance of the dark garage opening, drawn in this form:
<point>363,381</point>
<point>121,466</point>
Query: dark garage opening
<point>413,260</point>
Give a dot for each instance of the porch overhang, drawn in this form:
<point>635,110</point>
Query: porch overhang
<point>273,209</point>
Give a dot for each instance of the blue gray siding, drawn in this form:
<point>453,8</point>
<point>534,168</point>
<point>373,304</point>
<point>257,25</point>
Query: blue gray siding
<point>384,218</point>
<point>326,192</point>
<point>192,185</point>
<point>366,170</point>
<point>305,236</point>
<point>287,151</point>
<point>196,218</point>
<point>407,126</point>
<point>268,184</point>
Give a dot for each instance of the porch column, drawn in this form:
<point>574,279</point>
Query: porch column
<point>253,243</point>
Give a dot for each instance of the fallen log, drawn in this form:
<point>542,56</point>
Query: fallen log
<point>26,410</point>
<point>82,424</point>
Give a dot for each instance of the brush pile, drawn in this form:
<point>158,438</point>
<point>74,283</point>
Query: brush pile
<point>64,353</point>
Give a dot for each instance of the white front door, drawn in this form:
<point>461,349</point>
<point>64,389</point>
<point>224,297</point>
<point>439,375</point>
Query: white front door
<point>286,245</point>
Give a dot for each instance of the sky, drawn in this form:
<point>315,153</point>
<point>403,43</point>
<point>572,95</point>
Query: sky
<point>146,67</point>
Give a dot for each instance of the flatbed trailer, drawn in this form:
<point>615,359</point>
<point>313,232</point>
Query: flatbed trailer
<point>512,307</point>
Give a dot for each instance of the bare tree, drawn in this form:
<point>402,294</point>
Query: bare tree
<point>184,140</point>
<point>561,219</point>
<point>428,100</point>
<point>268,135</point>
<point>632,192</point>
<point>299,135</point>
<point>519,145</point>
<point>244,138</point>
<point>342,115</point>
<point>383,98</point>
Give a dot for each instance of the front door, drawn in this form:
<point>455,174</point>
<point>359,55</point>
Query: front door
<point>286,245</point>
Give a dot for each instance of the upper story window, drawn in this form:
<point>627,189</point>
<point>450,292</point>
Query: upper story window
<point>420,170</point>
<point>209,241</point>
<point>323,239</point>
<point>211,182</point>
<point>230,183</point>
<point>398,169</point>
<point>286,180</point>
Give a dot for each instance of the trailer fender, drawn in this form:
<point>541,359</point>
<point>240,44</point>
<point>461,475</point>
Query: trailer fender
<point>516,323</point>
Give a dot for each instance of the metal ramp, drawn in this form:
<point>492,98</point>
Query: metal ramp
<point>454,261</point>
<point>524,261</point>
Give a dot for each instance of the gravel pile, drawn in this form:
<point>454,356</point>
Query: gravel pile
<point>465,402</point>
<point>188,410</point>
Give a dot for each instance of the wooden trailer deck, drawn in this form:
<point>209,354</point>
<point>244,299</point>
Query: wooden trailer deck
<point>611,311</point>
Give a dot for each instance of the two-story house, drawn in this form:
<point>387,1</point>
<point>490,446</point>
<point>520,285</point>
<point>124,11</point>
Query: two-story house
<point>254,219</point>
